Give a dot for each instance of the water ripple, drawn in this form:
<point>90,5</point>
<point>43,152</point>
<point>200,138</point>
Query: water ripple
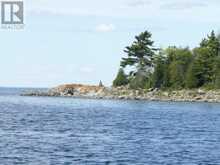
<point>74,131</point>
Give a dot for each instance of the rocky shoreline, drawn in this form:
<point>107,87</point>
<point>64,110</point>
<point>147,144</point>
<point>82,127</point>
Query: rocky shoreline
<point>124,93</point>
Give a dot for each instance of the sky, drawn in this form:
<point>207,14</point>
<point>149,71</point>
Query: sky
<point>72,41</point>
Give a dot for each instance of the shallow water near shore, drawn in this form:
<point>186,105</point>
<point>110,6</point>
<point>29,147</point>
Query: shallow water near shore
<point>43,130</point>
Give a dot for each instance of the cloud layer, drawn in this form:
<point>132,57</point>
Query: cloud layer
<point>114,7</point>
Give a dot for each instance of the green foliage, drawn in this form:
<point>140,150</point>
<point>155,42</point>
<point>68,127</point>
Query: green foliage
<point>176,75</point>
<point>203,65</point>
<point>217,73</point>
<point>212,43</point>
<point>191,78</point>
<point>139,80</point>
<point>160,72</point>
<point>178,60</point>
<point>140,58</point>
<point>217,80</point>
<point>140,53</point>
<point>173,68</point>
<point>121,79</point>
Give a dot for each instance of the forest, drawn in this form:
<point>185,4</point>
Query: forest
<point>146,66</point>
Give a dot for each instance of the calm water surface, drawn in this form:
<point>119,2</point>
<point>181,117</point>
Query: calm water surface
<point>53,131</point>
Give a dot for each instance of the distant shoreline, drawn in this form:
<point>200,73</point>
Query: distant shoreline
<point>123,93</point>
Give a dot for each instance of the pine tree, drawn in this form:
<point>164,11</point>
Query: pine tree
<point>174,67</point>
<point>212,43</point>
<point>191,78</point>
<point>207,54</point>
<point>158,77</point>
<point>140,57</point>
<point>217,80</point>
<point>217,73</point>
<point>141,52</point>
<point>202,68</point>
<point>203,71</point>
<point>178,61</point>
<point>121,79</point>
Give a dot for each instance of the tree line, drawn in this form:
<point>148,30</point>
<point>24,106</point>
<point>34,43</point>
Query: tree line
<point>147,67</point>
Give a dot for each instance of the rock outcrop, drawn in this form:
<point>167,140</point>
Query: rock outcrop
<point>101,92</point>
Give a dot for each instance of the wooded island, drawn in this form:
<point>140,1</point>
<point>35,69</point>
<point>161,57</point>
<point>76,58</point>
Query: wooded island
<point>172,68</point>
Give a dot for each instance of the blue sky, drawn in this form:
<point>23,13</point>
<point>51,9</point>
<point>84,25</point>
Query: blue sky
<point>82,41</point>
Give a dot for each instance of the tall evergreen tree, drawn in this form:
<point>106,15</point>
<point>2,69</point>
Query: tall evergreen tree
<point>174,67</point>
<point>160,72</point>
<point>205,57</point>
<point>178,60</point>
<point>212,43</point>
<point>203,69</point>
<point>140,57</point>
<point>191,80</point>
<point>140,53</point>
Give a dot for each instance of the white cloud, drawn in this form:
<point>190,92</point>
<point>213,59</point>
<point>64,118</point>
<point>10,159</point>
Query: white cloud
<point>105,28</point>
<point>138,9</point>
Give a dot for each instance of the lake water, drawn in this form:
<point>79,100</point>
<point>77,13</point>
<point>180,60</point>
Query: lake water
<point>43,131</point>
